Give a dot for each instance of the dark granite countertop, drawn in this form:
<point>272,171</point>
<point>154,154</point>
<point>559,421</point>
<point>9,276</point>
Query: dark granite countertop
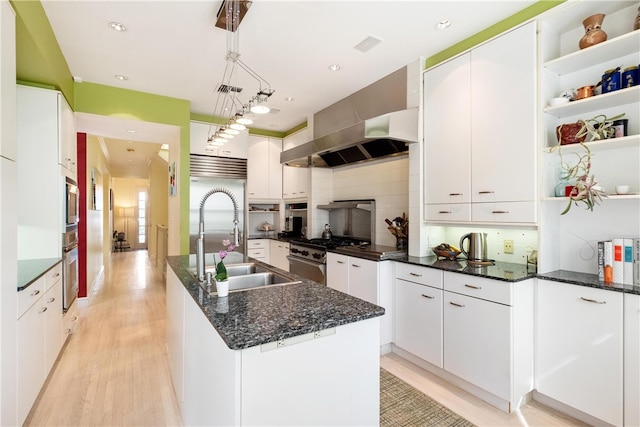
<point>257,316</point>
<point>32,269</point>
<point>589,280</point>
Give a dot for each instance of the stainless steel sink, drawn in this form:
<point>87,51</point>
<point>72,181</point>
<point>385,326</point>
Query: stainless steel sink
<point>246,276</point>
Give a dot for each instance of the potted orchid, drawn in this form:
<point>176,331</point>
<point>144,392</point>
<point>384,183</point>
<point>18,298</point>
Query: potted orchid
<point>221,270</point>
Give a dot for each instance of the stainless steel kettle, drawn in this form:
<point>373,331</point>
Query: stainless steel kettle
<point>477,248</point>
<point>326,234</point>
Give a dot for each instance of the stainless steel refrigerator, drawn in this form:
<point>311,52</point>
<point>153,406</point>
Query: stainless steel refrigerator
<point>218,212</point>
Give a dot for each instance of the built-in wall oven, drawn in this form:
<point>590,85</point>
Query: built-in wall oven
<point>71,202</point>
<point>69,267</point>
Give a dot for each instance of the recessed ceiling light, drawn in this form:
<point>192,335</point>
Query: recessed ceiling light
<point>121,77</point>
<point>117,26</point>
<point>288,99</point>
<point>334,67</point>
<point>367,44</point>
<point>445,23</point>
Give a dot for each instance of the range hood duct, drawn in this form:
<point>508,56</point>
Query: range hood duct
<point>373,123</point>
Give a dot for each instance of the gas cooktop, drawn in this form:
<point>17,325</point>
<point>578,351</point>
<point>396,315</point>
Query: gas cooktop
<point>330,243</point>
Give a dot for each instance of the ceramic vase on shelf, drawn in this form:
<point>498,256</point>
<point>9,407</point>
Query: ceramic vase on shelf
<point>593,33</point>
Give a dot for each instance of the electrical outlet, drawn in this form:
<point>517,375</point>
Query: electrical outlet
<point>508,247</point>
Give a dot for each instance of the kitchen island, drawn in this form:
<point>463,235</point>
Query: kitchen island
<point>295,354</point>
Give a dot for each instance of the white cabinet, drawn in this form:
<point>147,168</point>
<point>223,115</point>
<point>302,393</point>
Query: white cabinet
<point>264,171</point>
<point>295,180</point>
<point>7,80</point>
<point>259,249</point>
<point>71,319</point>
<point>40,336</point>
<point>278,252</point>
<point>67,140</point>
<point>631,360</point>
<point>175,301</point>
<point>39,182</point>
<point>365,279</point>
<point>579,352</point>
<point>488,335</point>
<point>479,119</point>
<point>418,324</point>
<point>200,132</point>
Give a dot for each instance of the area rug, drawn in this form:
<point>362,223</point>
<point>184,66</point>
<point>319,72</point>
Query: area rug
<point>403,405</point>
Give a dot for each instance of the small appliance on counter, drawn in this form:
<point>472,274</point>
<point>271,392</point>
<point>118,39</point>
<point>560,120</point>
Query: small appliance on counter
<point>292,226</point>
<point>476,250</point>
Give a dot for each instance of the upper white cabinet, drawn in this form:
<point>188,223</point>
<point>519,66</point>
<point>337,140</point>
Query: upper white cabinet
<point>480,138</point>
<point>295,180</point>
<point>39,181</point>
<point>264,171</point>
<point>7,80</point>
<point>235,147</point>
<point>67,141</point>
<point>579,352</point>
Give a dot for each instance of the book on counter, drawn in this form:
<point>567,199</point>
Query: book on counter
<point>627,253</point>
<point>607,261</point>
<point>618,260</point>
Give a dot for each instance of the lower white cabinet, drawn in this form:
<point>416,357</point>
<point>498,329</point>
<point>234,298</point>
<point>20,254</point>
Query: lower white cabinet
<point>369,280</point>
<point>71,318</point>
<point>278,252</point>
<point>259,249</point>
<point>40,337</point>
<point>631,360</point>
<point>579,353</point>
<point>418,313</point>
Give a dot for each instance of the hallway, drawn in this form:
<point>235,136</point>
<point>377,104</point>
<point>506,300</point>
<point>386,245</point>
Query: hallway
<point>113,371</point>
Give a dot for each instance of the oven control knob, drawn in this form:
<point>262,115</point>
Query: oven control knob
<point>304,253</point>
<point>294,250</point>
<point>317,256</point>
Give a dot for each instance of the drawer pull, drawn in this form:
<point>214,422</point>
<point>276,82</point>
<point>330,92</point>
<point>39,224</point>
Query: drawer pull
<point>340,262</point>
<point>56,275</point>
<point>428,296</point>
<point>472,286</point>
<point>592,300</point>
<point>444,212</point>
<point>52,299</point>
<point>485,192</point>
<point>500,212</point>
<point>456,304</point>
<point>355,265</point>
<point>67,331</point>
<point>74,318</point>
<point>42,310</point>
<point>455,194</point>
<point>34,293</point>
<point>415,274</point>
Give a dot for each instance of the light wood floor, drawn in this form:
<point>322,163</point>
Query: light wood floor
<point>114,370</point>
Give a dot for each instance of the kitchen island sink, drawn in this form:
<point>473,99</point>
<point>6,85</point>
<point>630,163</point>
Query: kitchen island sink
<point>246,276</point>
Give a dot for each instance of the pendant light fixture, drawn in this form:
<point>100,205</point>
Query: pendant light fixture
<point>228,105</point>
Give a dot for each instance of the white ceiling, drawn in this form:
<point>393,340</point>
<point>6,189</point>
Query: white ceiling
<point>172,48</point>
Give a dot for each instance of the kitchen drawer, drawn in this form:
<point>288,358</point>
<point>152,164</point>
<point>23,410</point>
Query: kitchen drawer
<point>478,287</point>
<point>257,253</point>
<point>448,212</point>
<point>504,212</point>
<point>30,295</point>
<point>257,243</point>
<point>422,275</point>
<point>52,276</point>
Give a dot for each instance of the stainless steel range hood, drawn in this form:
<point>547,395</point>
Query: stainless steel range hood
<point>379,137</point>
<point>373,123</point>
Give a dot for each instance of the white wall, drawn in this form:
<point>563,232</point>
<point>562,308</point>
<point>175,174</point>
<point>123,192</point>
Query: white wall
<point>385,181</point>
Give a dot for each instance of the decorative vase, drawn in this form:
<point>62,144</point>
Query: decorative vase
<point>222,288</point>
<point>593,33</point>
<point>566,133</point>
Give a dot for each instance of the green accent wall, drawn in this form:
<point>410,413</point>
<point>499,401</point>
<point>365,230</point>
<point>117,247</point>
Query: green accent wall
<point>492,31</point>
<point>111,101</point>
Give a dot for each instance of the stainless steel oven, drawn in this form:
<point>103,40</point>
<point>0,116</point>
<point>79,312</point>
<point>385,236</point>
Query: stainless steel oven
<point>307,260</point>
<point>71,202</point>
<point>70,267</point>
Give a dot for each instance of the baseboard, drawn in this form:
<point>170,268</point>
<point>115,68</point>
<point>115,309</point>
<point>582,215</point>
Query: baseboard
<point>568,410</point>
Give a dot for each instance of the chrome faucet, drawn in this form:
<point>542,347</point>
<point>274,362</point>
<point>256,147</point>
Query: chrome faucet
<point>200,242</point>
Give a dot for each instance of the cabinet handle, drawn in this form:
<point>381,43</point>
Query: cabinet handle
<point>592,300</point>
<point>415,274</point>
<point>42,310</point>
<point>456,304</point>
<point>67,331</point>
<point>473,286</point>
<point>444,212</point>
<point>340,262</point>
<point>355,265</point>
<point>56,275</point>
<point>52,299</point>
<point>485,192</point>
<point>455,194</point>
<point>500,212</point>
<point>428,296</point>
<point>34,293</point>
<point>74,318</point>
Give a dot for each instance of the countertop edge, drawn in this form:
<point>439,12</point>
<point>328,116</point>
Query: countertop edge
<point>31,270</point>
